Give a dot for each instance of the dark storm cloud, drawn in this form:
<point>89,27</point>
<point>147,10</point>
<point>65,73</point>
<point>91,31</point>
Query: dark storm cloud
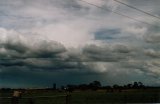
<point>106,53</point>
<point>49,55</point>
<point>70,38</point>
<point>13,48</point>
<point>147,67</point>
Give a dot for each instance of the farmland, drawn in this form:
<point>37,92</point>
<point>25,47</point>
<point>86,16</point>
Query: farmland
<point>84,97</point>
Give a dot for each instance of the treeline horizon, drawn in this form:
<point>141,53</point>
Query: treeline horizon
<point>95,85</point>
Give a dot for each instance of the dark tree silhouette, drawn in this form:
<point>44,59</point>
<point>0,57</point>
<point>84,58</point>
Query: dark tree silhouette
<point>135,85</point>
<point>129,86</point>
<point>140,84</point>
<point>83,87</point>
<point>115,86</point>
<point>95,85</point>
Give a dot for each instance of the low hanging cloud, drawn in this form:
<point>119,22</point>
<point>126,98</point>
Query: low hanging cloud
<point>18,50</point>
<point>71,36</point>
<point>35,53</point>
<point>106,53</point>
<point>16,45</point>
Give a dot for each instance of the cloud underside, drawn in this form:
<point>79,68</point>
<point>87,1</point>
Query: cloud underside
<point>33,53</point>
<point>71,36</point>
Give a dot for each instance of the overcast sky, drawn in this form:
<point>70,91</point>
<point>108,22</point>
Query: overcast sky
<point>71,42</point>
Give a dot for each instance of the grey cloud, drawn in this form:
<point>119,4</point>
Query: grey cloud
<point>19,46</point>
<point>152,53</point>
<point>106,53</point>
<point>152,35</point>
<point>73,22</point>
<point>51,55</point>
<point>144,67</point>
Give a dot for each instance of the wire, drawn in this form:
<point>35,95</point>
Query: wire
<point>137,9</point>
<point>116,13</point>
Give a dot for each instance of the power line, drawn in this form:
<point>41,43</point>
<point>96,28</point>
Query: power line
<point>137,9</point>
<point>106,9</point>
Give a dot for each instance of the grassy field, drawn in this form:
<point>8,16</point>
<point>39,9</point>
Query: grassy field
<point>84,97</point>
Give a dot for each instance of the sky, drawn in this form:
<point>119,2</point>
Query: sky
<point>72,42</point>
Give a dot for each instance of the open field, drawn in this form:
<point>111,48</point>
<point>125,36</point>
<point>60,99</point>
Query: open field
<point>84,97</point>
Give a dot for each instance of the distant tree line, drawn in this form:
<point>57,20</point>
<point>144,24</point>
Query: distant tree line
<point>96,85</point>
<point>93,86</point>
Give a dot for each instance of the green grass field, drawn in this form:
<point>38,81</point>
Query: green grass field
<point>85,97</point>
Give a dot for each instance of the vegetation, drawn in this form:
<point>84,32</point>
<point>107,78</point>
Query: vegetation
<point>92,93</point>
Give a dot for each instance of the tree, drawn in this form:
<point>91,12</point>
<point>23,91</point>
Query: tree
<point>129,85</point>
<point>83,86</point>
<point>140,85</point>
<point>95,85</point>
<point>116,86</point>
<point>135,85</point>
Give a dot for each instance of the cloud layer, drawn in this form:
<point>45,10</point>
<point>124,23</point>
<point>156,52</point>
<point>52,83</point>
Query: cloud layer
<point>57,39</point>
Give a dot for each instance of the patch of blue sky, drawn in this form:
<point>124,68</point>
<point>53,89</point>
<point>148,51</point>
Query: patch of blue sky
<point>107,34</point>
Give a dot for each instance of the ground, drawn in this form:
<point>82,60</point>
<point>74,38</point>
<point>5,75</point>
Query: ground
<point>84,97</point>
